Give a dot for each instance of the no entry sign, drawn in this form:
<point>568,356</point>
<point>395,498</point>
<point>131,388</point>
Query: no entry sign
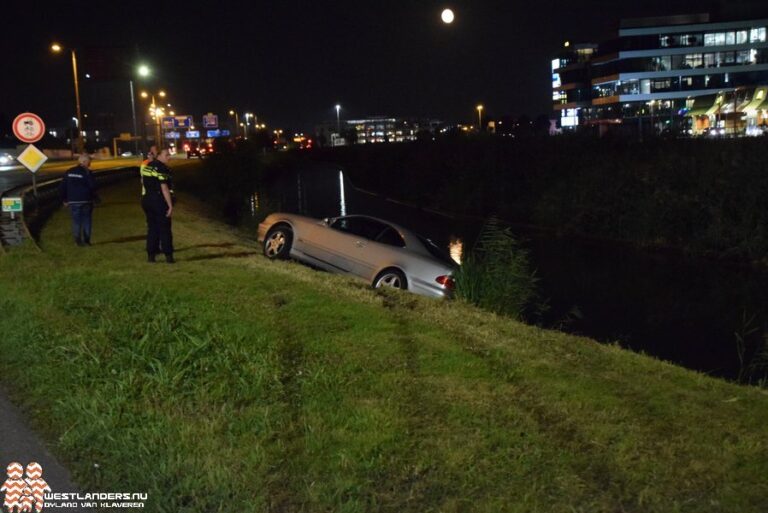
<point>28,127</point>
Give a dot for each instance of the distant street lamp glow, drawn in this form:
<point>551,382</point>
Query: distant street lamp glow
<point>447,16</point>
<point>144,70</point>
<point>479,117</point>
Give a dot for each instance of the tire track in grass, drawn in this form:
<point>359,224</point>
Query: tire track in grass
<point>601,477</point>
<point>284,488</point>
<point>405,484</point>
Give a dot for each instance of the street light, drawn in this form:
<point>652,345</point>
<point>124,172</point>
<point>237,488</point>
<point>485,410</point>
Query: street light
<point>57,48</point>
<point>338,120</point>
<point>233,112</point>
<point>156,113</point>
<point>247,116</point>
<point>479,118</point>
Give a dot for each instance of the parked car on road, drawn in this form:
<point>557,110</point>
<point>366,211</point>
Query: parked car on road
<point>380,252</point>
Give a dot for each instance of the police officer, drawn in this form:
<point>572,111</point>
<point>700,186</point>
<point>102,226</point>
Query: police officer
<point>78,193</point>
<point>158,206</point>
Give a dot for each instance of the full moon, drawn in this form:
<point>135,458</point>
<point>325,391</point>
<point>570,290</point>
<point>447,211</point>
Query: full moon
<point>447,16</point>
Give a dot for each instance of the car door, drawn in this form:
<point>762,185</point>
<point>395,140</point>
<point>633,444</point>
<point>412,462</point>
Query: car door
<point>375,245</point>
<point>347,236</point>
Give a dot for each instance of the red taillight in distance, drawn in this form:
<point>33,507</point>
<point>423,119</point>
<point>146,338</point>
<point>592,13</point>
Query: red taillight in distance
<point>446,281</point>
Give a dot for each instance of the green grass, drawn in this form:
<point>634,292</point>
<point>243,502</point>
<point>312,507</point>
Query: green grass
<point>230,383</point>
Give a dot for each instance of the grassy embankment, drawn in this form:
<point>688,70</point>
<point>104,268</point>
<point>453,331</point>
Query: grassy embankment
<point>230,383</point>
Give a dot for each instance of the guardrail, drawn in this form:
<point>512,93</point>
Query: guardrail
<point>14,229</point>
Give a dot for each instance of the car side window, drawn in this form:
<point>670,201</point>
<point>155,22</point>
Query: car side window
<point>360,226</point>
<point>349,225</point>
<point>390,237</point>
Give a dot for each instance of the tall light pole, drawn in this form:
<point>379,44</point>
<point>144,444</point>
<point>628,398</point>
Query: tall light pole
<point>144,72</point>
<point>248,115</point>
<point>56,48</point>
<point>479,118</point>
<point>233,112</point>
<point>156,111</point>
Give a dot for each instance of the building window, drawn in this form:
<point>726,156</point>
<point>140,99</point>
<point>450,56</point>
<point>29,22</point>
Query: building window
<point>743,57</point>
<point>757,35</point>
<point>741,37</point>
<point>693,61</point>
<point>709,60</point>
<point>662,63</point>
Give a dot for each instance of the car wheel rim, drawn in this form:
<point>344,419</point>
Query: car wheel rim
<point>390,280</point>
<point>275,244</point>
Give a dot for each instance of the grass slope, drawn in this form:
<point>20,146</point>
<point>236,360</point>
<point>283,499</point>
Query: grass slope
<point>230,383</point>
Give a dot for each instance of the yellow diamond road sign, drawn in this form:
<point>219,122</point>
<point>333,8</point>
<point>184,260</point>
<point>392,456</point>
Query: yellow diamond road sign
<point>32,158</point>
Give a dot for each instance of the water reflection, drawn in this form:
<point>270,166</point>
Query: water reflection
<point>456,249</point>
<point>253,203</point>
<point>342,197</point>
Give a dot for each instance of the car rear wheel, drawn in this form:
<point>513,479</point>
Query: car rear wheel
<point>277,243</point>
<point>391,278</point>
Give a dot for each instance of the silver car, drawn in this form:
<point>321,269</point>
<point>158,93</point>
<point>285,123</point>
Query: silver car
<point>377,251</point>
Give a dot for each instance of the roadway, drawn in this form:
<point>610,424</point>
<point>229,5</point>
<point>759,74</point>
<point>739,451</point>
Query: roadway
<point>17,175</point>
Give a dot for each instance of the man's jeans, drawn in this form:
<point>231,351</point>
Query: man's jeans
<point>81,221</point>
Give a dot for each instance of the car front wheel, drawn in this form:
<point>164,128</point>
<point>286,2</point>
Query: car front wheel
<point>277,243</point>
<point>391,278</point>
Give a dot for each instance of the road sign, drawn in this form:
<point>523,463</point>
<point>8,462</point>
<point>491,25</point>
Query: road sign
<point>213,133</point>
<point>173,122</point>
<point>211,120</point>
<point>193,134</point>
<point>12,205</point>
<point>172,135</point>
<point>32,158</point>
<point>28,127</point>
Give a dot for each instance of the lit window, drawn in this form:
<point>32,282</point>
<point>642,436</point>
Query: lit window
<point>757,35</point>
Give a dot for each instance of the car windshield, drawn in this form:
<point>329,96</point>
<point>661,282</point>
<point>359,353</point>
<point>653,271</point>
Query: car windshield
<point>437,252</point>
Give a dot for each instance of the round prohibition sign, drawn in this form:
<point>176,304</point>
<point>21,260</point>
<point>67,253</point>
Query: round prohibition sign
<point>28,127</point>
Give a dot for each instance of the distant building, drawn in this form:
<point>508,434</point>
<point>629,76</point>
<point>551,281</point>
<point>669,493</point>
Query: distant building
<point>685,74</point>
<point>378,129</point>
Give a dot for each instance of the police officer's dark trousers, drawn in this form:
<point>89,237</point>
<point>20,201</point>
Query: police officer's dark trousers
<point>159,237</point>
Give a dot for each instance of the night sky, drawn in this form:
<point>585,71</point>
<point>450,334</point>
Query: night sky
<point>290,62</point>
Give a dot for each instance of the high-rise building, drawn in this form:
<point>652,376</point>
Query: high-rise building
<point>683,74</point>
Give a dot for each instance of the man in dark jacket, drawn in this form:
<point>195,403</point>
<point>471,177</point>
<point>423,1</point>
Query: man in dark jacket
<point>156,200</point>
<point>78,193</point>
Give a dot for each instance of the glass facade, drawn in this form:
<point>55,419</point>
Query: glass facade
<point>706,61</point>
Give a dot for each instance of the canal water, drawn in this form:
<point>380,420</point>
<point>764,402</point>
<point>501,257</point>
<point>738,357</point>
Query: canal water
<point>697,313</point>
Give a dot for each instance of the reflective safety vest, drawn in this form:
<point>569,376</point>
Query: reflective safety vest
<point>152,175</point>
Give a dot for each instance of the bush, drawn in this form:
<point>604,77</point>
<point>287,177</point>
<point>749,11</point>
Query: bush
<point>496,274</point>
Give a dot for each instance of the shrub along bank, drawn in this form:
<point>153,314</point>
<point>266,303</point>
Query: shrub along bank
<point>705,196</point>
<point>227,382</point>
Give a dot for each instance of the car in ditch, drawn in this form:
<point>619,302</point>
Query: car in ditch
<point>382,253</point>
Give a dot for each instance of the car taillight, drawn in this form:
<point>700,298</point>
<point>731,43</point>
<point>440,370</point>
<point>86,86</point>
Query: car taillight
<point>446,281</point>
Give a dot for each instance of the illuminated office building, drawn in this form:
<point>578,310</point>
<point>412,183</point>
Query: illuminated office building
<point>681,74</point>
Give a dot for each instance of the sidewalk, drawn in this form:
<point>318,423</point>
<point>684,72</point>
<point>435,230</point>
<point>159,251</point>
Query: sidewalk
<point>21,445</point>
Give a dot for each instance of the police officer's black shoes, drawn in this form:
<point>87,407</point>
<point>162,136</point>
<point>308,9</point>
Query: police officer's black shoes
<point>169,259</point>
<point>151,257</point>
